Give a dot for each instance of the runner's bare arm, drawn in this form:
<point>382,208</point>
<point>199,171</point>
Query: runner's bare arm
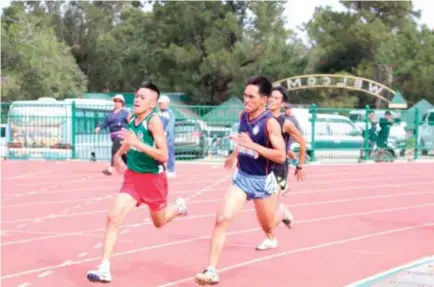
<point>277,152</point>
<point>234,152</point>
<point>159,152</point>
<point>292,130</point>
<point>123,149</point>
<point>231,159</point>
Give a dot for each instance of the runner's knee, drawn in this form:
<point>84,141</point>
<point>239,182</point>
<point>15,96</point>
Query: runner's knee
<point>223,219</point>
<point>157,223</point>
<point>158,218</point>
<point>113,221</point>
<point>268,226</point>
<point>267,223</point>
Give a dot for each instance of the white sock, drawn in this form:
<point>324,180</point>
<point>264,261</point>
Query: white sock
<point>110,169</point>
<point>212,269</point>
<point>105,264</point>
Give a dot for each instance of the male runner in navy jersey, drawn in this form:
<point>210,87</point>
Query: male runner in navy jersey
<point>278,99</point>
<point>259,146</point>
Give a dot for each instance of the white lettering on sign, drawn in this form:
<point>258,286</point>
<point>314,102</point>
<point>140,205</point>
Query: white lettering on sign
<point>338,81</point>
<point>358,83</point>
<point>375,89</point>
<point>327,81</point>
<point>343,84</point>
<point>311,81</point>
<point>296,83</point>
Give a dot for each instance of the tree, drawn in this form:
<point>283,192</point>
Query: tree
<point>34,63</point>
<point>217,46</point>
<point>364,40</point>
<point>208,49</point>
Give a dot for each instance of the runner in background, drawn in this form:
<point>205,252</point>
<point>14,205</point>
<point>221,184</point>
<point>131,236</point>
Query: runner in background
<point>279,98</point>
<point>115,121</point>
<point>168,119</point>
<point>288,113</point>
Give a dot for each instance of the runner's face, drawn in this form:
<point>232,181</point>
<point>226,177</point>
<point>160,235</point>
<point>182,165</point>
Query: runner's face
<point>275,102</point>
<point>253,99</point>
<point>144,101</point>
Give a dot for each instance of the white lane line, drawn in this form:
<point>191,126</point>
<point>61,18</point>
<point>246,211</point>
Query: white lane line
<point>82,254</point>
<point>304,249</point>
<point>98,245</point>
<point>188,218</point>
<point>45,274</point>
<point>207,237</point>
<point>344,200</point>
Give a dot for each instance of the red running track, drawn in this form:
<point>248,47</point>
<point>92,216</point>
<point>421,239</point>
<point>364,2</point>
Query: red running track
<point>352,221</point>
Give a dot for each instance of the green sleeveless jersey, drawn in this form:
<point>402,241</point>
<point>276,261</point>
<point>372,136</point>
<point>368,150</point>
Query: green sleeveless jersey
<point>137,160</point>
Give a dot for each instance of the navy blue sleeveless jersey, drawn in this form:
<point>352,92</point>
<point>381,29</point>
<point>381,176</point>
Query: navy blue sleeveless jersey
<point>281,119</point>
<point>250,161</point>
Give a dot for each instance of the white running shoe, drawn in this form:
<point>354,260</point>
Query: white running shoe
<point>182,206</point>
<point>102,275</point>
<point>208,277</point>
<point>267,244</point>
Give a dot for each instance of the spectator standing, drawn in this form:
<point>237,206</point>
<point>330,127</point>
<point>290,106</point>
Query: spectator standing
<point>385,125</point>
<point>168,118</point>
<point>371,134</point>
<point>115,121</point>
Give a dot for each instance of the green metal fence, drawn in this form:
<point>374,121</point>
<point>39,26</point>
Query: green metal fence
<point>358,135</point>
<point>66,130</point>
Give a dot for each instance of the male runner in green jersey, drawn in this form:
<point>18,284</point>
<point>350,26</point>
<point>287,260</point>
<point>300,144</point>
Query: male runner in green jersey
<point>145,180</point>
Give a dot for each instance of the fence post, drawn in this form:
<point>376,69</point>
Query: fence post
<point>416,133</point>
<point>313,110</point>
<point>366,150</point>
<point>73,128</point>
